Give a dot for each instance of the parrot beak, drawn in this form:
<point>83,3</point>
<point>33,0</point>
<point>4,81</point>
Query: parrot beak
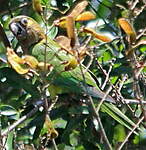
<point>18,30</point>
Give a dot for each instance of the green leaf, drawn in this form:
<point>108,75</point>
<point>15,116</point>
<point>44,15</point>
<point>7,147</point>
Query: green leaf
<point>52,32</point>
<point>136,139</point>
<point>80,147</point>
<point>74,137</point>
<point>119,133</point>
<point>9,111</point>
<point>120,113</point>
<point>9,142</point>
<point>59,123</point>
<point>143,49</point>
<point>118,116</point>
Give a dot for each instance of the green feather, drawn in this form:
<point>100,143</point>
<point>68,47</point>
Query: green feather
<point>61,81</point>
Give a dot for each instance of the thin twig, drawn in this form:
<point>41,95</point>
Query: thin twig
<point>16,8</point>
<point>103,99</point>
<point>139,70</point>
<point>91,104</point>
<point>130,133</point>
<point>133,5</point>
<point>52,104</point>
<point>141,34</point>
<point>124,78</point>
<point>133,101</point>
<point>54,144</point>
<point>96,115</point>
<point>107,77</point>
<point>140,11</point>
<point>100,67</point>
<point>89,64</point>
<point>21,120</point>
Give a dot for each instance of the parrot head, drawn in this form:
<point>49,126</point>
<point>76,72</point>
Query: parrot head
<point>27,31</point>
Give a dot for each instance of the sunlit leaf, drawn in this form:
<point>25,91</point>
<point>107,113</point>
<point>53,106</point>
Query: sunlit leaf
<point>96,35</point>
<point>128,29</point>
<point>78,8</point>
<point>85,16</point>
<point>16,62</point>
<point>59,123</point>
<point>8,110</point>
<point>31,61</point>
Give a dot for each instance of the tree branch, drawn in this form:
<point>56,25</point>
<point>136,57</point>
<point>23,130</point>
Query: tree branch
<point>21,120</point>
<point>96,115</point>
<point>130,133</point>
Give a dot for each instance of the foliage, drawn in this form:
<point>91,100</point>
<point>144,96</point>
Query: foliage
<point>36,114</point>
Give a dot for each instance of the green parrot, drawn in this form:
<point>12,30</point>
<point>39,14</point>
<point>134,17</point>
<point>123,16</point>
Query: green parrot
<point>75,80</point>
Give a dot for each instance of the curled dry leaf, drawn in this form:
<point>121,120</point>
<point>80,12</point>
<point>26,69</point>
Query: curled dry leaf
<point>37,6</point>
<point>77,10</point>
<point>64,43</point>
<point>52,133</point>
<point>70,30</point>
<point>16,62</point>
<point>23,65</point>
<point>31,61</point>
<point>128,28</point>
<point>85,16</point>
<point>96,35</point>
<point>61,22</point>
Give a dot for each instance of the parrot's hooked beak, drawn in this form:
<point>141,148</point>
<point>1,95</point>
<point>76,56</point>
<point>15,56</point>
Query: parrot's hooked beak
<point>18,30</point>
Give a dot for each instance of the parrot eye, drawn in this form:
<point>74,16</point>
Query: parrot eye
<point>24,21</point>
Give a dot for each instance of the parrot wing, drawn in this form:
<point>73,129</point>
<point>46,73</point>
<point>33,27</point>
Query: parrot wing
<point>61,81</point>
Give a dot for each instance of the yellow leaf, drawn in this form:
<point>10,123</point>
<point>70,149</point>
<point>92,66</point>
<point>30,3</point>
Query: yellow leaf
<point>128,28</point>
<point>31,61</point>
<point>61,22</point>
<point>79,8</point>
<point>51,130</point>
<point>16,62</point>
<point>71,64</point>
<point>96,35</point>
<point>18,67</point>
<point>37,6</point>
<point>13,56</point>
<point>85,16</point>
<point>44,67</point>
